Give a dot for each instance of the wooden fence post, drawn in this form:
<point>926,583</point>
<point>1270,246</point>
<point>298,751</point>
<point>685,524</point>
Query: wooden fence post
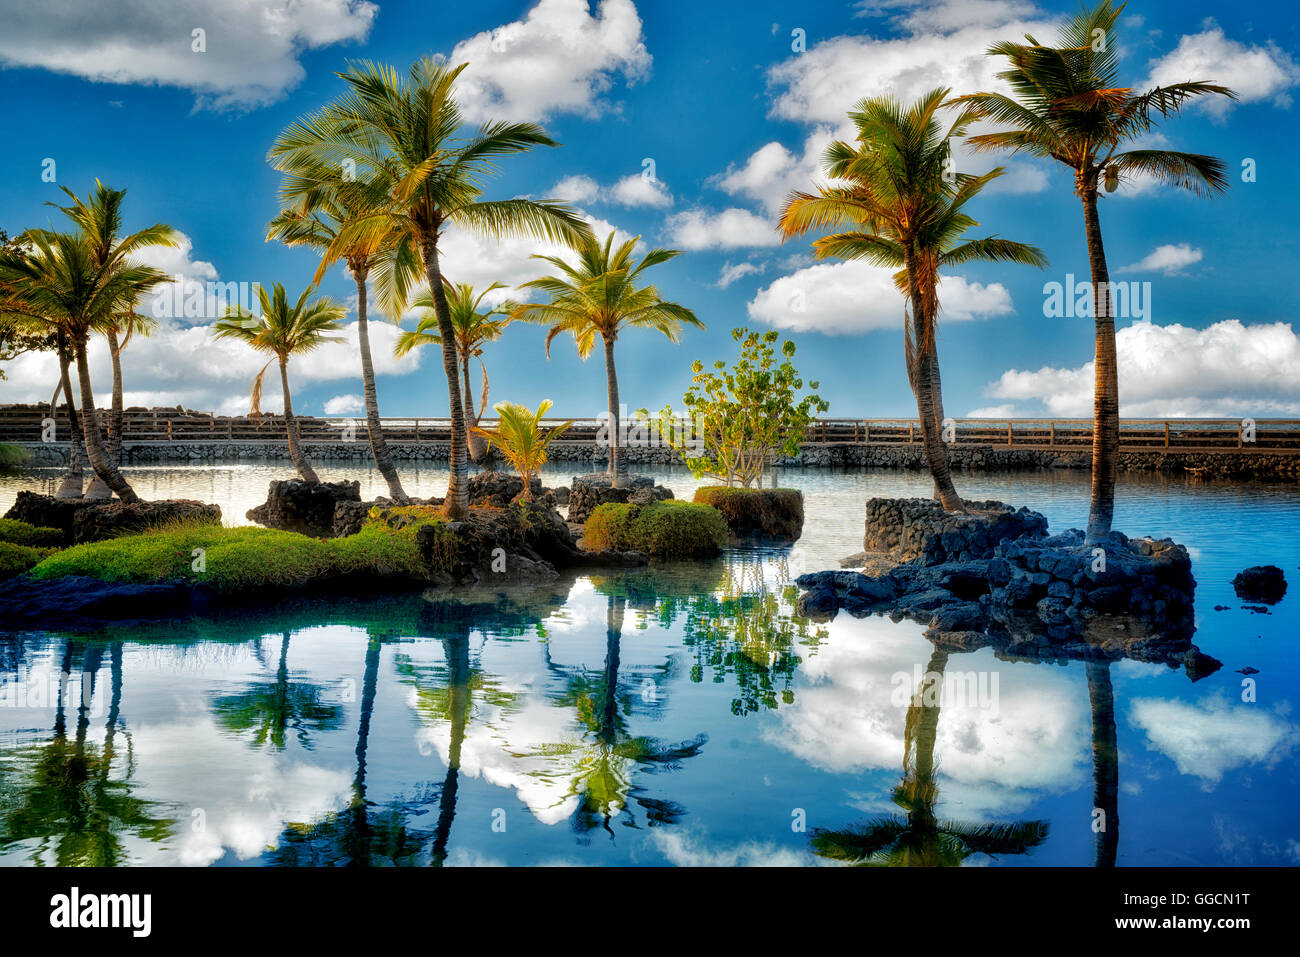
<point>1166,435</point>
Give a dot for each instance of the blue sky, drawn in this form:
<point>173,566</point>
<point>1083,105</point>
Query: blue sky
<point>733,116</point>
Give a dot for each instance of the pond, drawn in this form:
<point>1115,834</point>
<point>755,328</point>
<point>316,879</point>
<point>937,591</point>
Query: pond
<point>681,714</point>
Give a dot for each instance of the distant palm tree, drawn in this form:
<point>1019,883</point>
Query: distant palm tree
<point>921,839</point>
<point>474,327</point>
<point>1068,106</point>
<point>285,331</point>
<point>902,204</point>
<point>411,133</point>
<point>519,438</point>
<point>600,297</point>
<point>321,205</point>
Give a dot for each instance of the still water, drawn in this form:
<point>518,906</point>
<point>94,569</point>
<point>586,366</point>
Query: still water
<point>680,714</point>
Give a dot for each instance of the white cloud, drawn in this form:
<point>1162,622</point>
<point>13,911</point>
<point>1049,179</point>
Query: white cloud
<point>346,404</point>
<point>1256,73</point>
<point>1225,370</point>
<point>639,190</point>
<point>734,271</point>
<point>1213,737</point>
<point>558,59</point>
<point>252,46</point>
<point>576,189</point>
<point>772,171</point>
<point>731,228</point>
<point>1169,259</point>
<point>845,298</point>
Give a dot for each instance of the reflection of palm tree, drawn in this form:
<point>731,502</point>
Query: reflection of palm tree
<point>70,804</point>
<point>1105,761</point>
<point>921,839</point>
<point>270,708</point>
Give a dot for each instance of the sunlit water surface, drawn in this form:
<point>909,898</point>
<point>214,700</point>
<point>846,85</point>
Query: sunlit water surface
<point>676,715</point>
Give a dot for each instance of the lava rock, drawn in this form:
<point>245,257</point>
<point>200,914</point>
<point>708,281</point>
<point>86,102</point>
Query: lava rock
<point>293,505</point>
<point>48,511</point>
<point>589,492</point>
<point>918,529</point>
<point>114,519</point>
<point>1264,583</point>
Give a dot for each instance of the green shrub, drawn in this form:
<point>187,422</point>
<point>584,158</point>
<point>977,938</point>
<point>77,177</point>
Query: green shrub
<point>12,456</point>
<point>16,559</point>
<point>239,559</point>
<point>20,533</point>
<point>769,511</point>
<point>668,529</point>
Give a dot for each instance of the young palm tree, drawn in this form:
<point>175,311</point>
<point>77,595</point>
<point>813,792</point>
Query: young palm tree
<point>900,205</point>
<point>521,441</point>
<point>285,331</point>
<point>1068,107</point>
<point>410,133</point>
<point>474,328</point>
<point>63,280</point>
<point>99,217</point>
<point>600,297</point>
<point>323,204</point>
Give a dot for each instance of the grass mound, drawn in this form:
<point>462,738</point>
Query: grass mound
<point>20,533</point>
<point>756,511</point>
<point>668,529</point>
<point>12,456</point>
<point>231,560</point>
<point>16,559</point>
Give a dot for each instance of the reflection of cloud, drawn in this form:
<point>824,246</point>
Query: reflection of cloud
<point>1216,736</point>
<point>685,850</point>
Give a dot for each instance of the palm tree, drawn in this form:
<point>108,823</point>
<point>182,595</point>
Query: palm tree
<point>285,331</point>
<point>1105,761</point>
<point>520,440</point>
<point>1068,107</point>
<point>474,327</point>
<point>99,217</point>
<point>599,297</point>
<point>324,205</point>
<point>410,133</point>
<point>893,193</point>
<point>62,279</point>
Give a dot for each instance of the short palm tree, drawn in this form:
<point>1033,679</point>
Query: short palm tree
<point>893,196</point>
<point>285,331</point>
<point>520,439</point>
<point>410,133</point>
<point>599,297</point>
<point>1068,106</point>
<point>474,327</point>
<point>321,204</point>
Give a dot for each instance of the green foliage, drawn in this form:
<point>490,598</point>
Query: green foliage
<point>771,510</point>
<point>519,439</point>
<point>668,529</point>
<point>16,559</point>
<point>746,413</point>
<point>241,559</point>
<point>20,533</point>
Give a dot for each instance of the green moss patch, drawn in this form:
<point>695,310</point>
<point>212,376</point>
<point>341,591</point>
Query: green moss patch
<point>20,533</point>
<point>668,529</point>
<point>12,456</point>
<point>16,559</point>
<point>774,512</point>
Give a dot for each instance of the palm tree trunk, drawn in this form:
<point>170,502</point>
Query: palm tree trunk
<point>936,454</point>
<point>456,504</point>
<point>378,447</point>
<point>478,448</point>
<point>71,485</point>
<point>938,406</point>
<point>104,467</point>
<point>617,467</point>
<point>359,845</point>
<point>291,427</point>
<point>1105,761</point>
<point>117,416</point>
<point>456,651</point>
<point>1105,407</point>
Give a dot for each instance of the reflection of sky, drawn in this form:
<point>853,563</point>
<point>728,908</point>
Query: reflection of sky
<point>1212,737</point>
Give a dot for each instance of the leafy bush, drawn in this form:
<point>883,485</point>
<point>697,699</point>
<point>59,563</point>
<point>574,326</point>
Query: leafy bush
<point>669,529</point>
<point>16,559</point>
<point>231,560</point>
<point>20,533</point>
<point>771,511</point>
<point>12,456</point>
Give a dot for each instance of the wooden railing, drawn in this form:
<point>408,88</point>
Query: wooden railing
<point>24,423</point>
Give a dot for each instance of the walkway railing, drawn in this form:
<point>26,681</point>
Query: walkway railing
<point>26,423</point>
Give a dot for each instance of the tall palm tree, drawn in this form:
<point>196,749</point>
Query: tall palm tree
<point>99,217</point>
<point>322,205</point>
<point>1068,106</point>
<point>899,206</point>
<point>1105,761</point>
<point>62,278</point>
<point>600,297</point>
<point>474,327</point>
<point>410,133</point>
<point>285,331</point>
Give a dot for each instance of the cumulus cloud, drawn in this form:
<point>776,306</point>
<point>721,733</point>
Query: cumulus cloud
<point>1169,259</point>
<point>639,190</point>
<point>1227,369</point>
<point>250,55</point>
<point>846,298</point>
<point>560,58</point>
<point>346,404</point>
<point>576,189</point>
<point>728,229</point>
<point>1214,737</point>
<point>1257,73</point>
